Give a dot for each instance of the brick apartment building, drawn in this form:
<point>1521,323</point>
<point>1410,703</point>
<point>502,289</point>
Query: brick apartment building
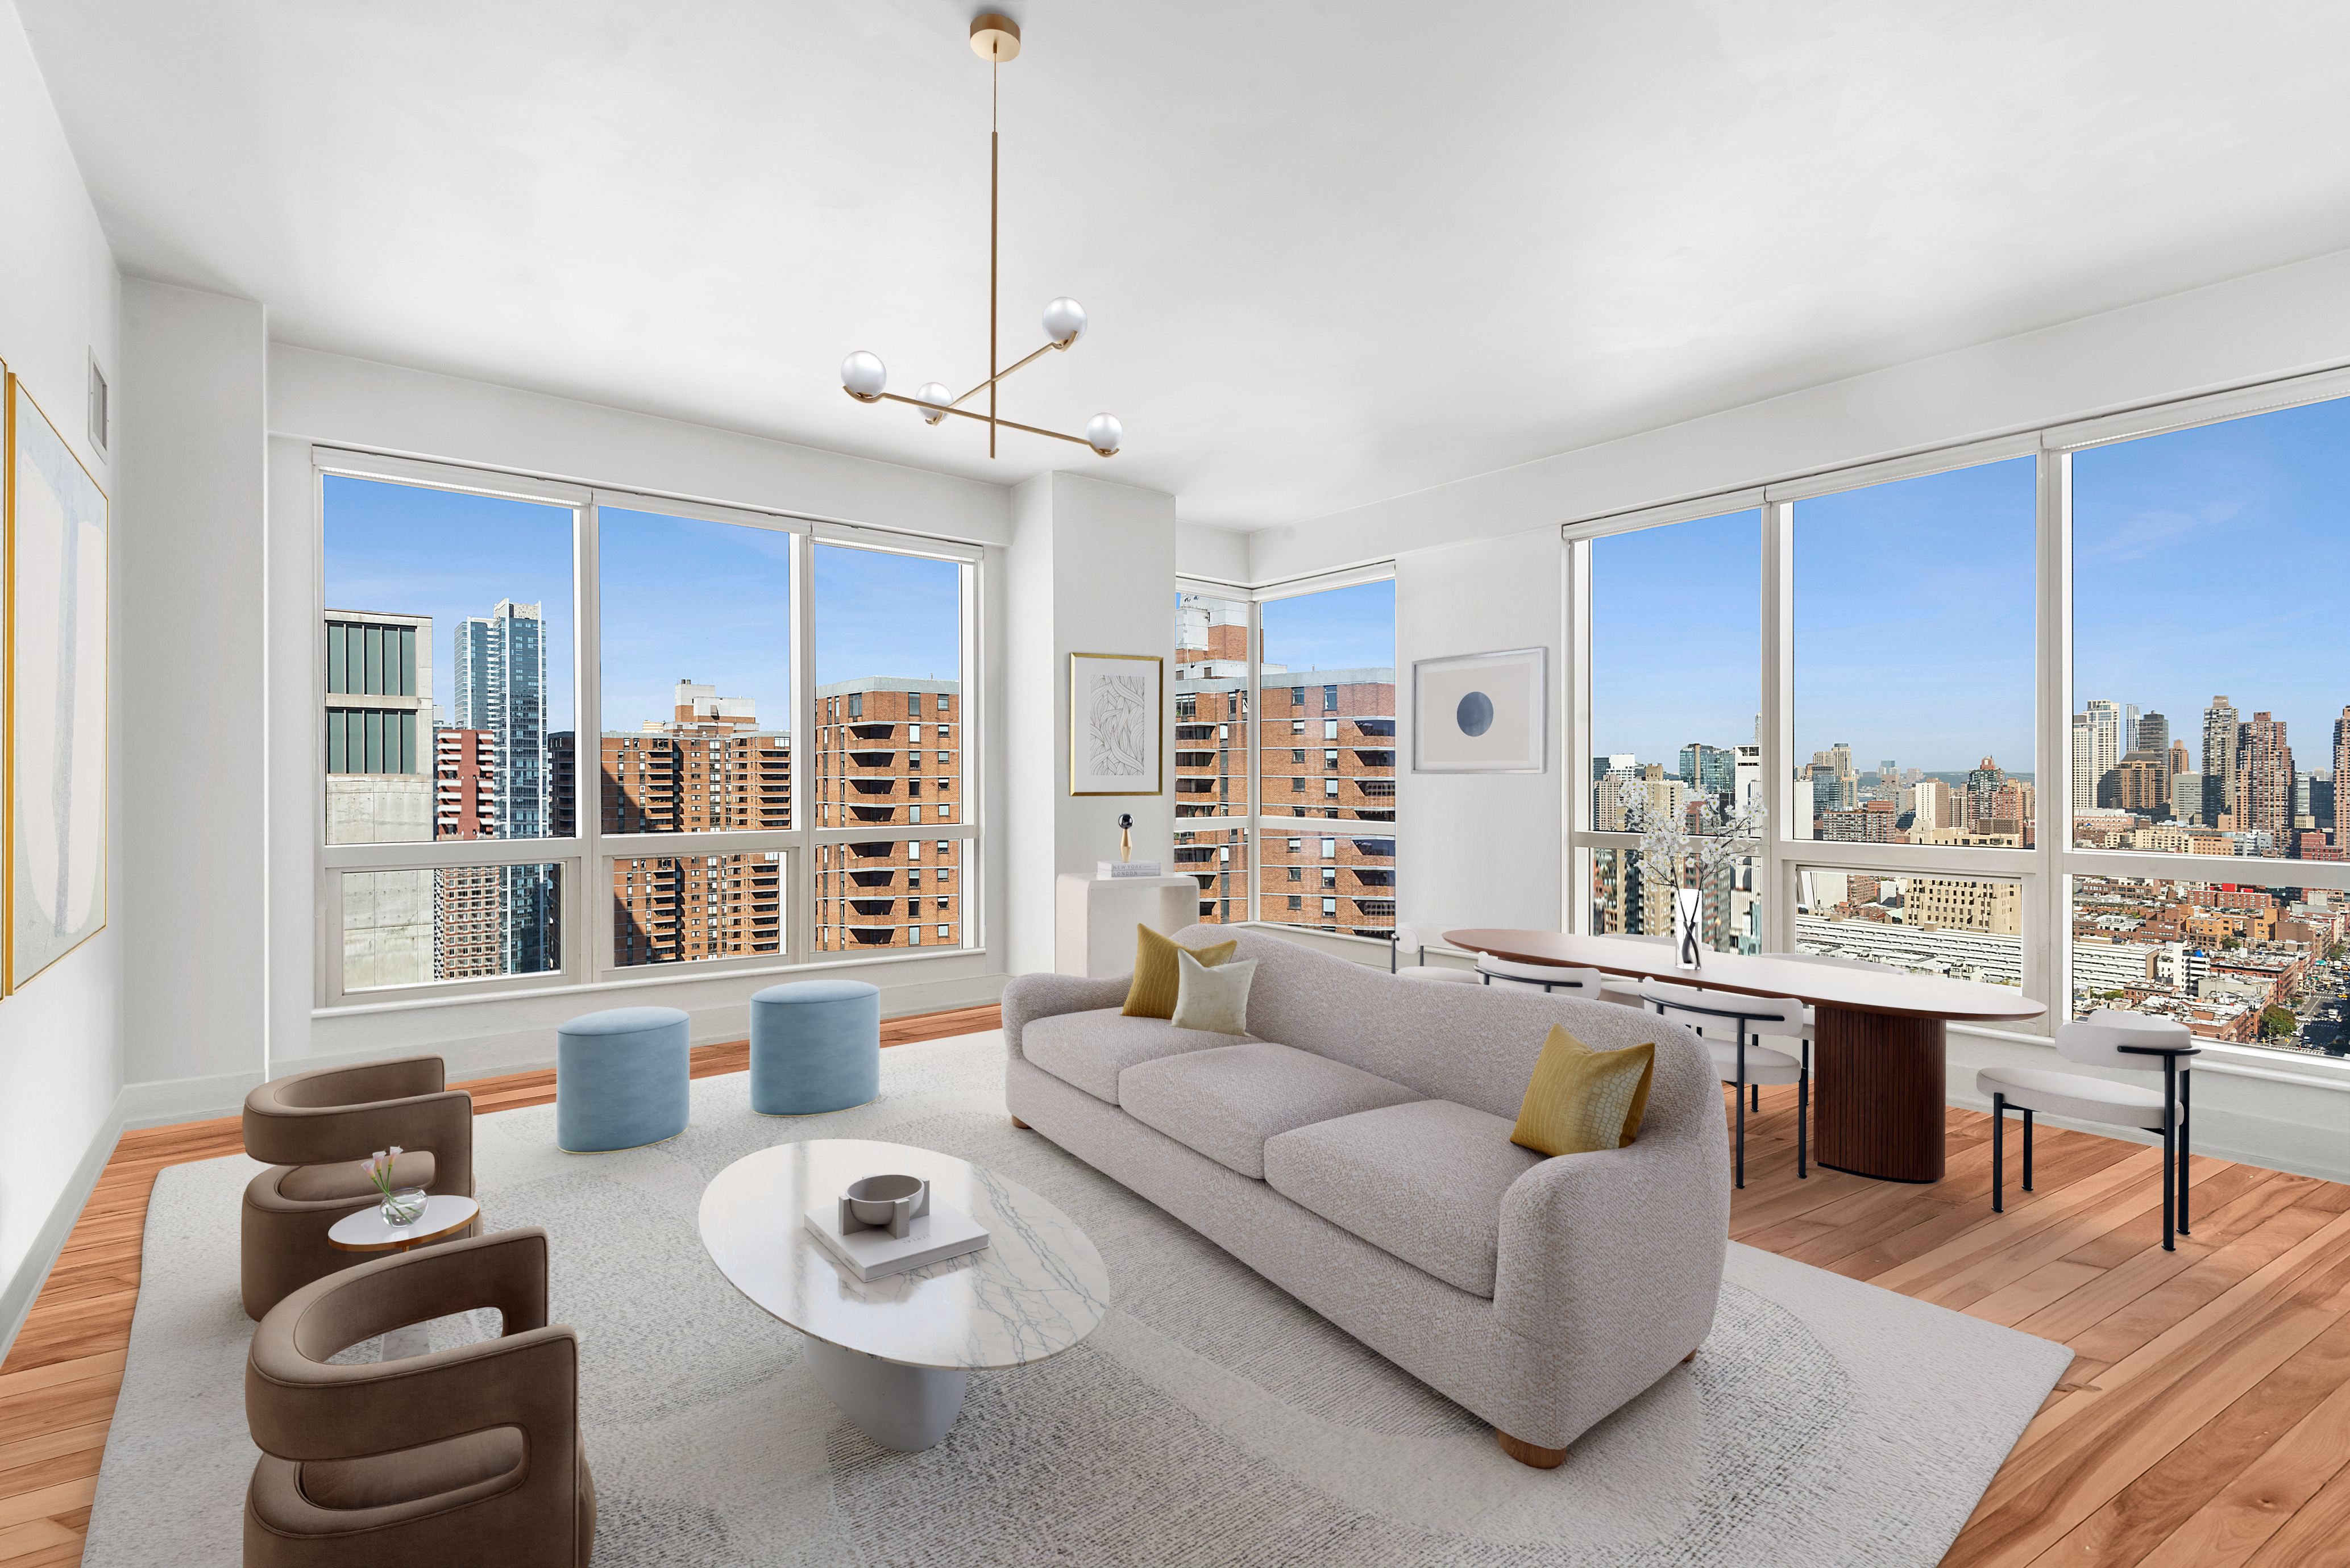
<point>708,767</point>
<point>888,754</point>
<point>1327,751</point>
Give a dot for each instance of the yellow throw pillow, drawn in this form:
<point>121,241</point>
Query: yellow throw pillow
<point>1581,1099</point>
<point>1156,981</point>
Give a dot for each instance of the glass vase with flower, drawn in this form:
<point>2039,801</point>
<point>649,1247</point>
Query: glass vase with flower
<point>402,1206</point>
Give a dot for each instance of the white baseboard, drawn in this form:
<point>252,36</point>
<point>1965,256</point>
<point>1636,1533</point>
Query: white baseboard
<point>164,1101</point>
<point>23,1288</point>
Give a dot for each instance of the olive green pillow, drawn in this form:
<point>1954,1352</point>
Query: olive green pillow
<point>1156,981</point>
<point>1581,1099</point>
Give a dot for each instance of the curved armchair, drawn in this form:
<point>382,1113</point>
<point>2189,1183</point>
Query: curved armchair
<point>470,1454</point>
<point>312,1130</point>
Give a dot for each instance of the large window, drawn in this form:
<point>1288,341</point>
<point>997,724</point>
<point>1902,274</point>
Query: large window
<point>1284,736</point>
<point>1676,704</point>
<point>1914,643</point>
<point>2212,711</point>
<point>888,754</point>
<point>2060,711</point>
<point>1327,753</point>
<point>452,626</point>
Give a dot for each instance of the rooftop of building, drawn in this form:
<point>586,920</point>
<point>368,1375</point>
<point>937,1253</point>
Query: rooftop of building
<point>891,683</point>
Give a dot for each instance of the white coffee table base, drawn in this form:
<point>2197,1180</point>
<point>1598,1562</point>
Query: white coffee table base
<point>908,1409</point>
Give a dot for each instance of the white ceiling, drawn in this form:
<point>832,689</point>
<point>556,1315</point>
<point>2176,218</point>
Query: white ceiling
<point>1334,252</point>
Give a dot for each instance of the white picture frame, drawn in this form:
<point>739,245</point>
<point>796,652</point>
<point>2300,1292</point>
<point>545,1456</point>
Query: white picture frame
<point>1117,723</point>
<point>1482,712</point>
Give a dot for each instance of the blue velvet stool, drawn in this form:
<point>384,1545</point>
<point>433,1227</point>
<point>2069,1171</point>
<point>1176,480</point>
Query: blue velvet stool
<point>815,1047</point>
<point>622,1079</point>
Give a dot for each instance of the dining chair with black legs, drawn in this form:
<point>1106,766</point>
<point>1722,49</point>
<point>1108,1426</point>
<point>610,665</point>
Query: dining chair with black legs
<point>1744,1062</point>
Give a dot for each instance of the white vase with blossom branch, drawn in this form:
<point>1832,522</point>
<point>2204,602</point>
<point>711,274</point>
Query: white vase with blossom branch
<point>1668,851</point>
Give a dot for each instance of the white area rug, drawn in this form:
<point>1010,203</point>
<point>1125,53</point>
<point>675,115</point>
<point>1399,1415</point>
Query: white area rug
<point>1210,1420</point>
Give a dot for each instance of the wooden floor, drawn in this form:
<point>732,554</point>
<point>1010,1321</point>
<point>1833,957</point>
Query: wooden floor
<point>2205,1422</point>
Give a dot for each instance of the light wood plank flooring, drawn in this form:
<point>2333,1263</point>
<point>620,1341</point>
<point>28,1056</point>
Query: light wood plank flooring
<point>2205,1422</point>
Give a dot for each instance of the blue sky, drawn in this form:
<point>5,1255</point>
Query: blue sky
<point>683,600</point>
<point>1337,628</point>
<point>1913,625</point>
<point>2199,565</point>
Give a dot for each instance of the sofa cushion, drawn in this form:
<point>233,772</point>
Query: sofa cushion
<point>1581,1100</point>
<point>1156,979</point>
<point>1226,1102</point>
<point>1423,1181</point>
<point>1089,1050</point>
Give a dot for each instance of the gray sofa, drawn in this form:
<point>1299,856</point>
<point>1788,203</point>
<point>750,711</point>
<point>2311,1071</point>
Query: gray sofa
<point>1353,1148</point>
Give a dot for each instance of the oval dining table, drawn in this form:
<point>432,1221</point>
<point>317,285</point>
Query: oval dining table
<point>1877,1077</point>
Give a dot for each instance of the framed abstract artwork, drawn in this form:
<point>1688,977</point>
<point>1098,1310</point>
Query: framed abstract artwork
<point>1115,714</point>
<point>56,712</point>
<point>1479,714</point>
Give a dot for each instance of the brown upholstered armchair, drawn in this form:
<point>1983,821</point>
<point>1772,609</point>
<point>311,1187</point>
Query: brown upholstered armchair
<point>470,1454</point>
<point>313,1129</point>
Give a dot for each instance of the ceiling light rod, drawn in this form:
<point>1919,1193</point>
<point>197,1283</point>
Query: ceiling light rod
<point>995,39</point>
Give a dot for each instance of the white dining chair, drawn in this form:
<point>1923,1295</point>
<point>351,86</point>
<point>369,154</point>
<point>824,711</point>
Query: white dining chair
<point>2106,1038</point>
<point>1554,979</point>
<point>1416,940</point>
<point>1742,1061</point>
<point>1625,988</point>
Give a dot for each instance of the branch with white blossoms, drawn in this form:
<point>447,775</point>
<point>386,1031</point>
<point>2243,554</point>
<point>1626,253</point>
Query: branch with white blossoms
<point>1667,847</point>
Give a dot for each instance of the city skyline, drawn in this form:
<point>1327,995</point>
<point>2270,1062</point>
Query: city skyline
<point>452,557</point>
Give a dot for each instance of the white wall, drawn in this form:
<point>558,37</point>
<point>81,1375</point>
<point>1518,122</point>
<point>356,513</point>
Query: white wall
<point>1481,849</point>
<point>1092,568</point>
<point>61,1036</point>
<point>194,389</point>
<point>1219,555</point>
<point>330,398</point>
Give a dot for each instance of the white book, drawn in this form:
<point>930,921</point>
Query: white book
<point>944,1232</point>
<point>1111,871</point>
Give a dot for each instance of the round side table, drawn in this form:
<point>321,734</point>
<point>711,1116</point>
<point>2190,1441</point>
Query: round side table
<point>368,1231</point>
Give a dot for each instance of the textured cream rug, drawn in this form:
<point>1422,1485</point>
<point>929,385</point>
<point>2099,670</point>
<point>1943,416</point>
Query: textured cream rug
<point>1210,1420</point>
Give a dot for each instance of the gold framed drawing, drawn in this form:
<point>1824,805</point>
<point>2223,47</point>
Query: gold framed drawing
<point>56,597</point>
<point>1117,723</point>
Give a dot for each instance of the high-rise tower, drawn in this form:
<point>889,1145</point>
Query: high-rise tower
<point>2219,759</point>
<point>2342,780</point>
<point>2264,774</point>
<point>501,689</point>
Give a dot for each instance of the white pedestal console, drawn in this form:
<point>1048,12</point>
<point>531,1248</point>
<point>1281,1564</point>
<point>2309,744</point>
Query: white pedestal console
<point>1093,919</point>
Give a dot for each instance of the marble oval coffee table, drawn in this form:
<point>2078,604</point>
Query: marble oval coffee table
<point>894,1354</point>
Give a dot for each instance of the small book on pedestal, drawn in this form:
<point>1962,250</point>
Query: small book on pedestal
<point>1111,871</point>
<point>873,1254</point>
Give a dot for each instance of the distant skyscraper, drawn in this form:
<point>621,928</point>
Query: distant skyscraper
<point>2152,735</point>
<point>2084,765</point>
<point>501,689</point>
<point>2106,742</point>
<point>1983,783</point>
<point>2264,776</point>
<point>2341,775</point>
<point>2219,735</point>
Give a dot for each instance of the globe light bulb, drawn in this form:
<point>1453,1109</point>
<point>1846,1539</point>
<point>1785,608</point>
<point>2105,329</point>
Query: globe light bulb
<point>1105,434</point>
<point>1064,321</point>
<point>938,397</point>
<point>863,376</point>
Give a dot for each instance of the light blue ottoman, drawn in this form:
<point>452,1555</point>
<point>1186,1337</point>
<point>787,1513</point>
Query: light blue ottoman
<point>622,1079</point>
<point>815,1047</point>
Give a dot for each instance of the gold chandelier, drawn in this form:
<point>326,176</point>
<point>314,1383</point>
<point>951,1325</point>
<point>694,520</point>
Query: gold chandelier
<point>995,39</point>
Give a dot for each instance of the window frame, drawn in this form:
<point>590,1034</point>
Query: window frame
<point>585,907</point>
<point>1258,826</point>
<point>2047,872</point>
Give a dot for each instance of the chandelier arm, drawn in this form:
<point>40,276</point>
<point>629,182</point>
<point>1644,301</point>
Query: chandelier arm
<point>982,419</point>
<point>1007,370</point>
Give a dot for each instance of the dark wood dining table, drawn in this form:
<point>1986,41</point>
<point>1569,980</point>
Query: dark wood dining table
<point>1877,1070</point>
